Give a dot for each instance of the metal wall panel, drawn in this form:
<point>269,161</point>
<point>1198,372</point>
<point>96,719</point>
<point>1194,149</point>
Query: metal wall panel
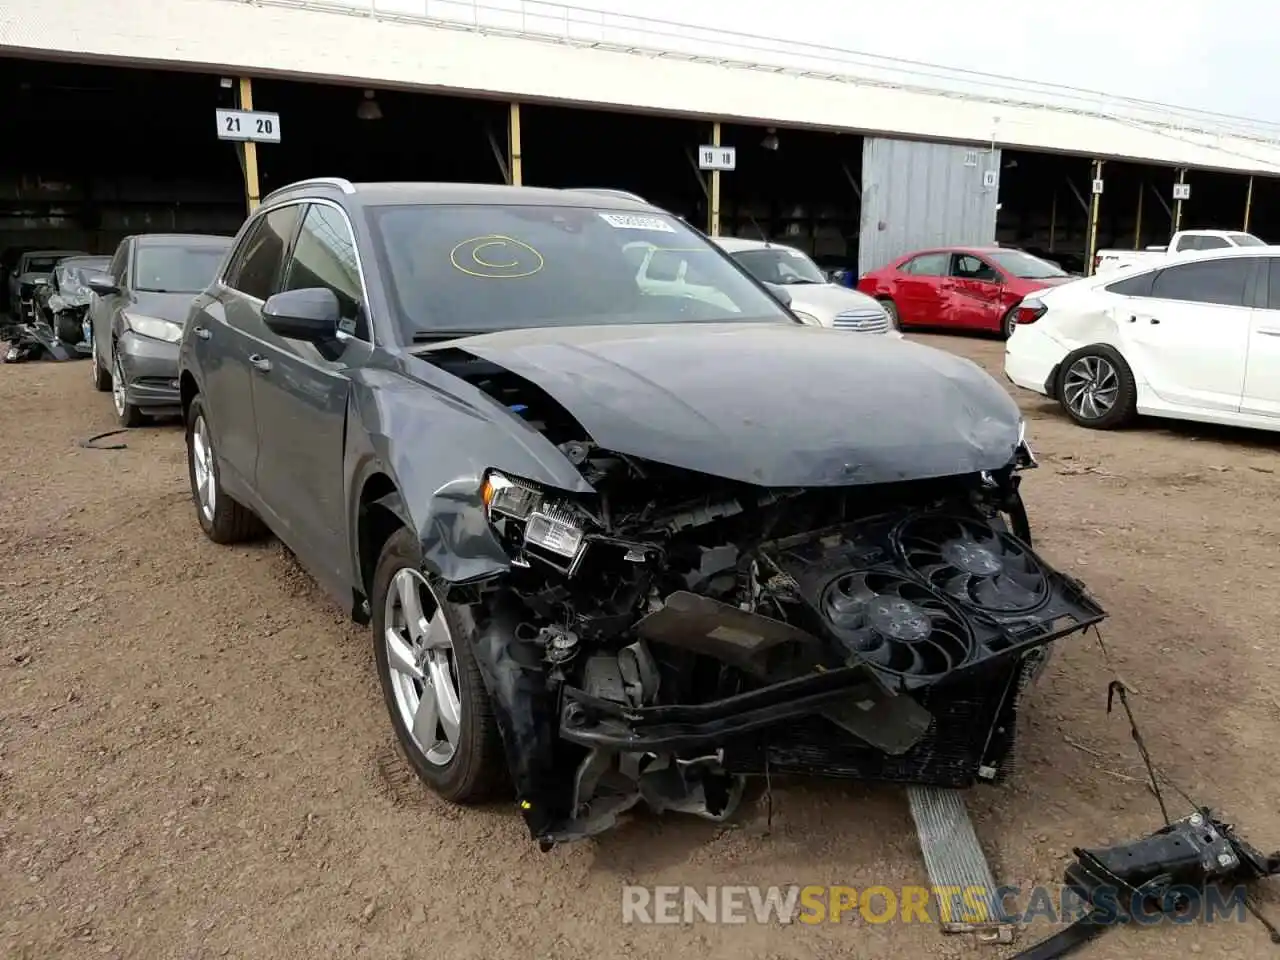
<point>917,194</point>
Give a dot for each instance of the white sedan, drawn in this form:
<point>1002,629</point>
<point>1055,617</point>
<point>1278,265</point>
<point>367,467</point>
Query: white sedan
<point>1191,338</point>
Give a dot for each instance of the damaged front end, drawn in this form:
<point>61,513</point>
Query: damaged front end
<point>662,640</point>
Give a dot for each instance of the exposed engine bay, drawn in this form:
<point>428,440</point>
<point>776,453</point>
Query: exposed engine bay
<point>678,632</point>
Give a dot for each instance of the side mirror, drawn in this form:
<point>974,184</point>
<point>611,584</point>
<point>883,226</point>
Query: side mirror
<point>780,293</point>
<point>104,285</point>
<point>310,314</point>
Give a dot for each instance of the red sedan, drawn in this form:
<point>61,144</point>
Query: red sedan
<point>964,288</point>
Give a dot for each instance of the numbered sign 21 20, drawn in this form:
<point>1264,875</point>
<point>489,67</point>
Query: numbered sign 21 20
<point>256,125</point>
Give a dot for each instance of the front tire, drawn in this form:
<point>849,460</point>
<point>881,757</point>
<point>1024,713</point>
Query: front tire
<point>891,309</point>
<point>100,378</point>
<point>431,683</point>
<point>126,413</point>
<point>222,519</point>
<point>1096,388</point>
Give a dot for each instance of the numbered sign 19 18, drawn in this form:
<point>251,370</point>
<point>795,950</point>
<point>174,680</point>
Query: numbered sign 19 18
<point>717,158</point>
<point>256,125</point>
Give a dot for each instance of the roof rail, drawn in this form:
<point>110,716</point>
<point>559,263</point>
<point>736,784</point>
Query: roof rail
<point>340,182</point>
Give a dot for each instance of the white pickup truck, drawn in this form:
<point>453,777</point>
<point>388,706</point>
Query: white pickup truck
<point>1184,241</point>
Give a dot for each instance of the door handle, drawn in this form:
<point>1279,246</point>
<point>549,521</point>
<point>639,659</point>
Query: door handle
<point>1269,331</point>
<point>202,333</point>
<point>260,362</point>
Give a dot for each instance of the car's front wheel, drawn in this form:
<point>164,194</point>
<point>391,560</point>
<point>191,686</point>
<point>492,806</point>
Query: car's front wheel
<point>430,679</point>
<point>101,379</point>
<point>891,309</point>
<point>127,413</point>
<point>223,520</point>
<point>1097,389</point>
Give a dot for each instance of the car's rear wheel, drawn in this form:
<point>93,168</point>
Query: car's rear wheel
<point>1097,389</point>
<point>1008,322</point>
<point>892,310</point>
<point>223,520</point>
<point>432,685</point>
<point>128,414</point>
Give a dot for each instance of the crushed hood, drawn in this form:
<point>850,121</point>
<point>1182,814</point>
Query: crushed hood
<point>772,404</point>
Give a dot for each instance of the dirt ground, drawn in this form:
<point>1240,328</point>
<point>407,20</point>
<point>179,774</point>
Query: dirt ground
<point>195,760</point>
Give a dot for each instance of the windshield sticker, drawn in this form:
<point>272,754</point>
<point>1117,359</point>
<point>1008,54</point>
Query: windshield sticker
<point>631,221</point>
<point>495,257</point>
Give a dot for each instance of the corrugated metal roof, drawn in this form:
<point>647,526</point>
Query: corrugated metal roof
<point>335,42</point>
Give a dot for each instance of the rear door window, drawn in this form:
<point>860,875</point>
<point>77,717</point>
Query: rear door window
<point>1219,282</point>
<point>927,265</point>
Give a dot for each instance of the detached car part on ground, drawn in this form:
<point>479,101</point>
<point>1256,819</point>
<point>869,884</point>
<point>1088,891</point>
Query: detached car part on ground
<point>618,558</point>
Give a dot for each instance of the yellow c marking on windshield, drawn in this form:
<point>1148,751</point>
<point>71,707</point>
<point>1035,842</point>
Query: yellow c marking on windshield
<point>525,261</point>
<point>475,255</point>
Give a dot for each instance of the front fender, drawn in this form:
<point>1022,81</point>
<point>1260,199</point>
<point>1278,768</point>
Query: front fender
<point>434,441</point>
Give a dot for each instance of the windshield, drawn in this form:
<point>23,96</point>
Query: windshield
<point>779,265</point>
<point>177,267</point>
<point>1024,265</point>
<point>472,269</point>
<point>74,274</point>
<point>41,264</point>
<point>1246,240</point>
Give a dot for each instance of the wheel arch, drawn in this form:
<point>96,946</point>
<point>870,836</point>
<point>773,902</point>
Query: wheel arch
<point>380,512</point>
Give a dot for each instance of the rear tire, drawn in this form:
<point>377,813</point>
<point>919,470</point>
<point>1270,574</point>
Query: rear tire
<point>1007,323</point>
<point>1096,388</point>
<point>222,519</point>
<point>473,767</point>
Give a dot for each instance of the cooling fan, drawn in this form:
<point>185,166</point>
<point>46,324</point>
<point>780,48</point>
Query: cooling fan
<point>896,625</point>
<point>975,565</point>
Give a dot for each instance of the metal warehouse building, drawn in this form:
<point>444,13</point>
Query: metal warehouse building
<point>110,110</point>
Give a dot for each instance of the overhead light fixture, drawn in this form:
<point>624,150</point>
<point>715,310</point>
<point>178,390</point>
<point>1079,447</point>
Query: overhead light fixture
<point>770,141</point>
<point>369,109</point>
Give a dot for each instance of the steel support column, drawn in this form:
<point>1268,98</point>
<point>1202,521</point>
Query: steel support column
<point>1248,205</point>
<point>513,146</point>
<point>1137,224</point>
<point>1094,202</point>
<point>249,149</point>
<point>1177,204</point>
<point>713,206</point>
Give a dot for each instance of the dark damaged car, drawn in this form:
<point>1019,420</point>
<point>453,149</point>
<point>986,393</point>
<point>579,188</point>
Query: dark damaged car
<point>617,545</point>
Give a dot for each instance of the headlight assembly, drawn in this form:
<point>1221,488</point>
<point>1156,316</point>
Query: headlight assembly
<point>549,525</point>
<point>807,318</point>
<point>154,327</point>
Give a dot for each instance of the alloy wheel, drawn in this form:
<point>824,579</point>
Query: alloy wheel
<point>117,385</point>
<point>202,465</point>
<point>423,670</point>
<point>1090,387</point>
